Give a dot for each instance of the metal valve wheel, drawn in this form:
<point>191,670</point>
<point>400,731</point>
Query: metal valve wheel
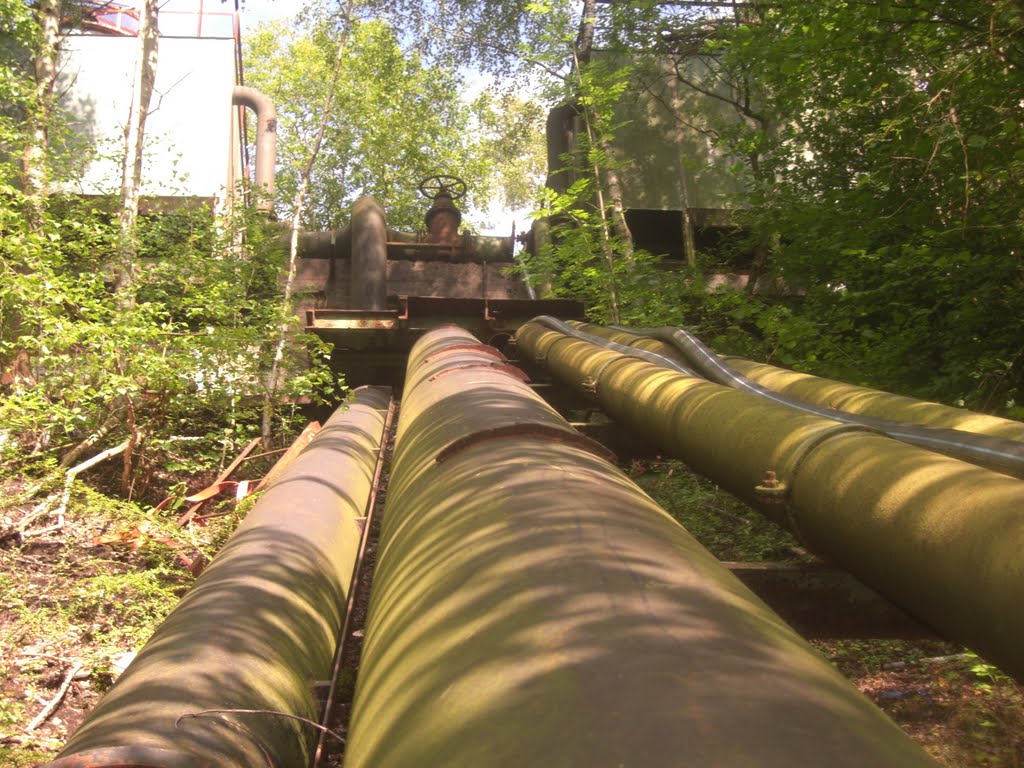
<point>432,186</point>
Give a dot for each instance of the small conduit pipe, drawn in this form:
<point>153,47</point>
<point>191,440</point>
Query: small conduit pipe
<point>369,237</point>
<point>256,630</point>
<point>938,537</point>
<point>986,450</point>
<point>266,140</point>
<point>532,607</point>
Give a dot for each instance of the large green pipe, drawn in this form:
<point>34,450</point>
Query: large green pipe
<point>872,402</point>
<point>256,630</point>
<point>836,394</point>
<point>941,538</point>
<point>532,607</point>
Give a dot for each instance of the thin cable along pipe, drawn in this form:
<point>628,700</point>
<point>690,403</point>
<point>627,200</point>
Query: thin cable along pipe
<point>996,453</point>
<point>532,606</point>
<point>939,537</point>
<point>256,630</point>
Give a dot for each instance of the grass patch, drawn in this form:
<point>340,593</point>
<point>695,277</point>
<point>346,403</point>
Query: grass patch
<point>727,527</point>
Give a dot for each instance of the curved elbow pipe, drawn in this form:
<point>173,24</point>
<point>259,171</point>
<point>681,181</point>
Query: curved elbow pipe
<point>266,139</point>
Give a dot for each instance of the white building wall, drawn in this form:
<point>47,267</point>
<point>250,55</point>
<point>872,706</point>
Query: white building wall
<point>189,138</point>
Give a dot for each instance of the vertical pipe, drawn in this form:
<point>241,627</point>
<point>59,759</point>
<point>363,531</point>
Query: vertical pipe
<point>256,630</point>
<point>531,606</point>
<point>266,140</point>
<point>369,256</point>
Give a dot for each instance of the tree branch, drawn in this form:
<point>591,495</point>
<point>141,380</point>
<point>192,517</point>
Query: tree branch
<point>52,704</point>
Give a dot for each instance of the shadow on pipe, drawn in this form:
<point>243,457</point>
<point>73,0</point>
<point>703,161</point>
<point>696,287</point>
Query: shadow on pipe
<point>531,606</point>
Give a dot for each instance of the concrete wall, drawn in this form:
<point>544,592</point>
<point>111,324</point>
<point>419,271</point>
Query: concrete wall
<point>652,162</point>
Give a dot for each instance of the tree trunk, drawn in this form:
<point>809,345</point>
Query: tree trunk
<point>689,241</point>
<point>585,36</point>
<point>271,382</point>
<point>125,270</point>
<point>619,224</point>
<point>609,179</point>
<point>35,175</point>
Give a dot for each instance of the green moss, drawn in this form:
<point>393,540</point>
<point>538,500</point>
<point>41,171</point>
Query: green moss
<point>17,757</point>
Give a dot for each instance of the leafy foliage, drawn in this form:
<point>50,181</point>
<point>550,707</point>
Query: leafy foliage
<point>186,360</point>
<point>881,151</point>
<point>397,120</point>
<point>892,182</point>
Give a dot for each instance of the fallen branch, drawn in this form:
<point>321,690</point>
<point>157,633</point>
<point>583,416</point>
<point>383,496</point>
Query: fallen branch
<point>102,431</point>
<point>223,476</point>
<point>52,704</point>
<point>213,712</point>
<point>65,497</point>
<point>16,533</point>
<point>42,509</point>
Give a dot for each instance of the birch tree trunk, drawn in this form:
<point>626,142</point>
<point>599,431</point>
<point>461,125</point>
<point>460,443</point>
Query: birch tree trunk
<point>610,180</point>
<point>280,339</point>
<point>126,268</point>
<point>689,241</point>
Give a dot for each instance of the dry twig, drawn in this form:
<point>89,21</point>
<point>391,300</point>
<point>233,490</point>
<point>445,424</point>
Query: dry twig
<point>69,479</point>
<point>52,704</point>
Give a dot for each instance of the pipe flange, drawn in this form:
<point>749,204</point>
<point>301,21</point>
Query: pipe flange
<point>804,450</point>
